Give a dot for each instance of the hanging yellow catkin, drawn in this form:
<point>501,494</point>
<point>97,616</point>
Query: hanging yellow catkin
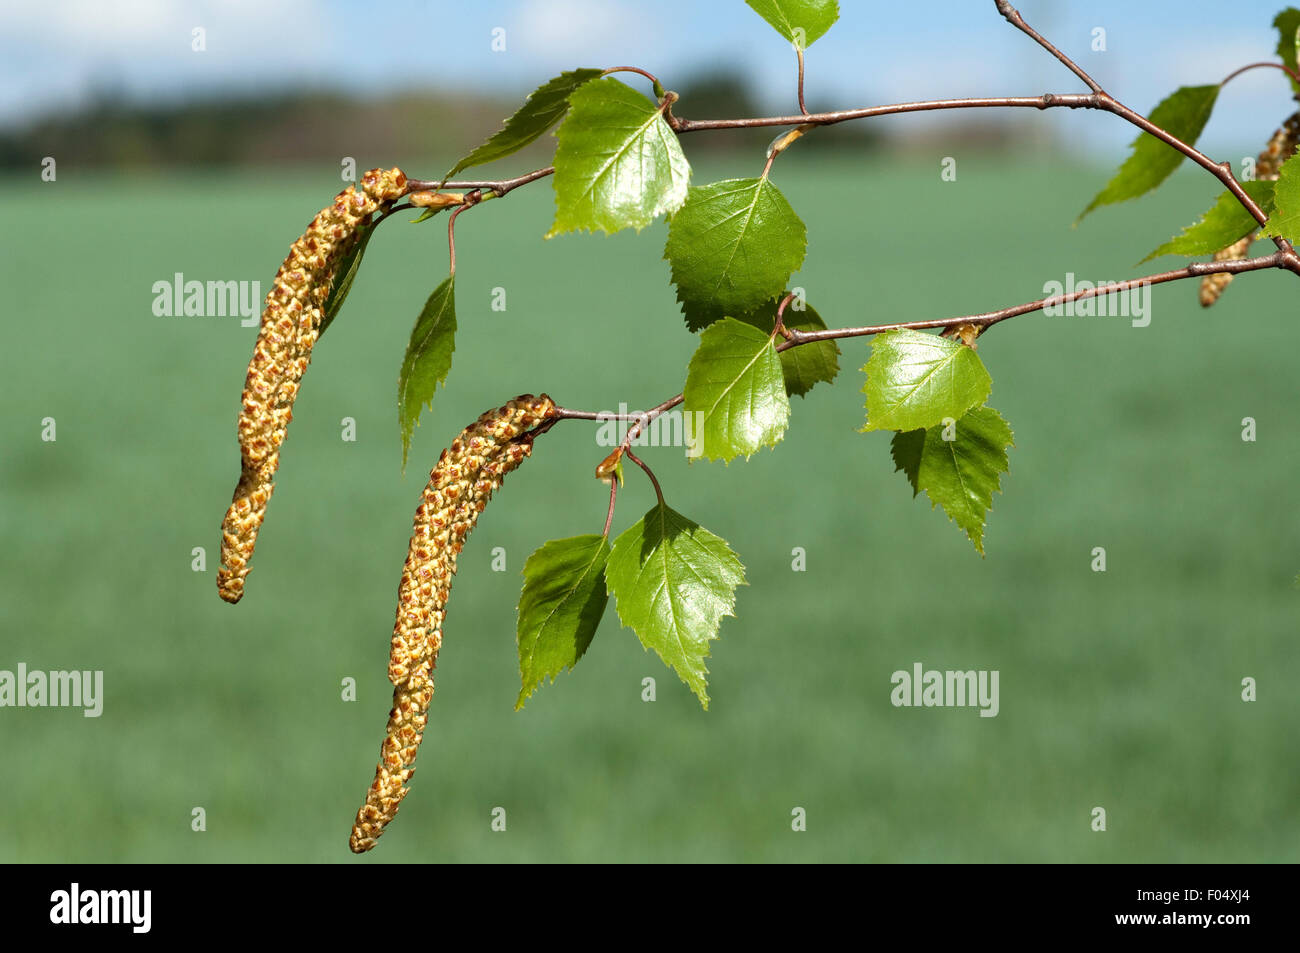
<point>459,488</point>
<point>1280,148</point>
<point>290,325</point>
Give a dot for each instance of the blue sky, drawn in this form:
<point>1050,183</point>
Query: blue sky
<point>58,53</point>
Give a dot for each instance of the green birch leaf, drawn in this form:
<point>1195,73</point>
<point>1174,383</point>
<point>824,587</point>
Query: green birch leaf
<point>544,107</point>
<point>1284,219</point>
<point>735,388</point>
<point>560,608</point>
<point>915,380</point>
<point>1288,40</point>
<point>906,448</point>
<point>618,164</point>
<point>673,581</point>
<point>802,22</point>
<point>1223,224</point>
<point>961,474</point>
<point>1182,114</point>
<point>427,360</point>
<point>732,247</point>
<point>805,366</point>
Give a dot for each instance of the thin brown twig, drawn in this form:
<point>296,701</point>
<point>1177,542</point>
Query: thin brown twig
<point>499,186</point>
<point>1198,269</point>
<point>1045,101</point>
<point>645,418</point>
<point>780,327</point>
<point>502,187</point>
<point>470,201</point>
<point>613,495</point>
<point>798,51</point>
<point>1013,17</point>
<point>565,413</point>
<point>648,472</point>
<point>654,80</point>
<point>1250,66</point>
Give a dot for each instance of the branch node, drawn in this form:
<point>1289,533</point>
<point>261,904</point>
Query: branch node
<point>666,108</point>
<point>780,327</point>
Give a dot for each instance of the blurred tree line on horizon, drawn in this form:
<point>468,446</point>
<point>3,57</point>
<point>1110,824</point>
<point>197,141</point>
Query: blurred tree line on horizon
<point>286,126</point>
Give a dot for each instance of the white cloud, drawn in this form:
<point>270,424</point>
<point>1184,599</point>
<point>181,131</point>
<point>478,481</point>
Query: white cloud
<point>59,53</point>
<point>121,26</point>
<point>578,30</point>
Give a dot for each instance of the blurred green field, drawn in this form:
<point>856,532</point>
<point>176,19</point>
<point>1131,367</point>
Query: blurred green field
<point>1119,690</point>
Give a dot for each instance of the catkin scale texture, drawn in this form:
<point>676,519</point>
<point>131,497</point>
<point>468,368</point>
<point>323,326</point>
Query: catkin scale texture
<point>290,325</point>
<point>459,487</point>
<point>1269,162</point>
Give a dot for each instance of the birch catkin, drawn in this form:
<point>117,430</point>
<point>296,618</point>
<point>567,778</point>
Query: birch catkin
<point>1280,148</point>
<point>290,325</point>
<point>459,488</point>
